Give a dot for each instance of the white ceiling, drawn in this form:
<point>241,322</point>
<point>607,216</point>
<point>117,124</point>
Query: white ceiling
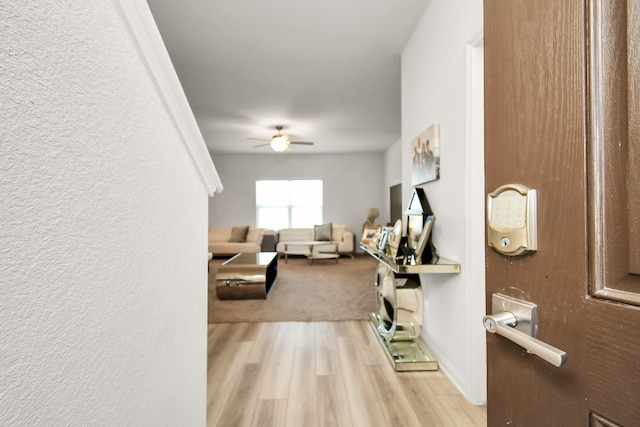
<point>327,70</point>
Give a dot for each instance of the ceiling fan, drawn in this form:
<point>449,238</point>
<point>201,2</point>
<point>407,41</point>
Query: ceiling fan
<point>280,142</point>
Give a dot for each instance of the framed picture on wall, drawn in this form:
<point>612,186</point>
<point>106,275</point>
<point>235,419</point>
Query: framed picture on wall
<point>425,156</point>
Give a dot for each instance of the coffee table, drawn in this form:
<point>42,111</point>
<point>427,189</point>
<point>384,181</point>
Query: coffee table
<point>311,254</point>
<point>247,276</point>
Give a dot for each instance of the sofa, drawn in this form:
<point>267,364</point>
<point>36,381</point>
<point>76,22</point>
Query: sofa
<point>233,240</point>
<point>339,233</point>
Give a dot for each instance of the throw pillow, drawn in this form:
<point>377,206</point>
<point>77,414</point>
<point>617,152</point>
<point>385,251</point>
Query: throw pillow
<point>322,233</point>
<point>253,234</point>
<point>338,232</point>
<point>239,234</point>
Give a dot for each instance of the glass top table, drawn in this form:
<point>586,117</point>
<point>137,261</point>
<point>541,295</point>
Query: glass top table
<point>312,254</point>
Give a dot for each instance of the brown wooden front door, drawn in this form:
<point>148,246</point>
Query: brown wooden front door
<point>562,116</point>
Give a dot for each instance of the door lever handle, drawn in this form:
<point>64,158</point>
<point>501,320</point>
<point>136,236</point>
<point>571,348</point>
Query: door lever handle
<point>505,323</point>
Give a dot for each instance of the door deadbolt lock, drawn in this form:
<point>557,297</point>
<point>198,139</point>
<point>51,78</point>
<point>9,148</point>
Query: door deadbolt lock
<point>512,219</point>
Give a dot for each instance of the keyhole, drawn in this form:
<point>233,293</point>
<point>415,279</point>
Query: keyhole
<point>489,324</point>
<point>505,242</point>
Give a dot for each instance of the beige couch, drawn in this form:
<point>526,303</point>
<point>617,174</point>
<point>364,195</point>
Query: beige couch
<point>220,244</point>
<point>340,234</point>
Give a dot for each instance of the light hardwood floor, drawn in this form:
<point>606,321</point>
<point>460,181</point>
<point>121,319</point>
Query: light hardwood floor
<point>321,374</point>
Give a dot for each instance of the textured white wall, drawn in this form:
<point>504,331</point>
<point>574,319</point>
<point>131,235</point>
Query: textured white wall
<point>352,184</point>
<point>102,230</point>
<point>434,90</point>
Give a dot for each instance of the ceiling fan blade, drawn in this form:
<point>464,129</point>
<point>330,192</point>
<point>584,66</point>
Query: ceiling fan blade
<point>301,142</point>
<point>261,145</point>
<point>258,139</point>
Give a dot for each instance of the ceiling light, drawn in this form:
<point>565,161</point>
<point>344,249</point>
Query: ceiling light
<point>280,143</point>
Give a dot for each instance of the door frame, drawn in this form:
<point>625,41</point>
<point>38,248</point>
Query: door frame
<point>475,220</point>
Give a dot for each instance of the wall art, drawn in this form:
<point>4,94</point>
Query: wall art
<point>425,156</point>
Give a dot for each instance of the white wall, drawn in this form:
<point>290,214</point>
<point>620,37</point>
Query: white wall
<point>392,172</point>
<point>102,228</point>
<point>352,184</point>
<point>435,89</point>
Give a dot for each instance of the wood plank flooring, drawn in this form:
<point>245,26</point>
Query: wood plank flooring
<point>321,374</point>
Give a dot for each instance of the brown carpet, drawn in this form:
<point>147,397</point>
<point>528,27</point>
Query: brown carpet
<point>303,292</point>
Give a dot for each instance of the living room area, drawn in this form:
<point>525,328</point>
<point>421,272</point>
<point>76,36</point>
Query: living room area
<point>351,184</point>
<point>354,182</point>
<point>305,296</point>
<point>304,353</point>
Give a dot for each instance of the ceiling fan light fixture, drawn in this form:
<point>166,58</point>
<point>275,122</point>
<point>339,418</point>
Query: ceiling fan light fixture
<point>279,143</point>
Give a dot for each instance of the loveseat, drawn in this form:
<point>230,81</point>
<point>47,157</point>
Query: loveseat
<point>339,233</point>
<point>230,241</point>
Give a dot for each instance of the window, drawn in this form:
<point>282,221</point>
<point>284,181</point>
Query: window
<point>288,204</point>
